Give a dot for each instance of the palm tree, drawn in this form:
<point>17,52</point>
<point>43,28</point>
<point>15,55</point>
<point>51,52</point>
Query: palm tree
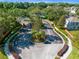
<point>37,34</point>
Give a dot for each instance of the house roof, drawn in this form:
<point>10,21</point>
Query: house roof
<point>19,19</point>
<point>73,19</point>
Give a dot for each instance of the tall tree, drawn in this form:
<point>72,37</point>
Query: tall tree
<point>61,21</point>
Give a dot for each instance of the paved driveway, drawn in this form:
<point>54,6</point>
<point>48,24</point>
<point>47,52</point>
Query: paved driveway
<point>41,51</point>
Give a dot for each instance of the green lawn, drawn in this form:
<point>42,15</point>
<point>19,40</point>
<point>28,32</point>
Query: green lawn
<point>75,39</point>
<point>2,55</point>
<point>74,54</point>
<point>75,34</point>
<point>75,42</point>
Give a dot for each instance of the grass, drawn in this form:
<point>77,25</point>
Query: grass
<point>75,34</point>
<point>2,55</point>
<point>75,39</point>
<point>74,54</point>
<point>75,42</point>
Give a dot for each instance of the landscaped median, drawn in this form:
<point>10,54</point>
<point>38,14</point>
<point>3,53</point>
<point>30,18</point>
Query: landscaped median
<point>7,41</point>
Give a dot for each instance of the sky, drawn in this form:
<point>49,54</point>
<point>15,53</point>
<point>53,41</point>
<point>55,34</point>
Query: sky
<point>68,1</point>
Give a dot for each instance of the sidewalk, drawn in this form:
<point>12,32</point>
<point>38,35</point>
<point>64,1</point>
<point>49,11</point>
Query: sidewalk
<point>65,56</point>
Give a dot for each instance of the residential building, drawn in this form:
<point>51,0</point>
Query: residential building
<point>72,21</point>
